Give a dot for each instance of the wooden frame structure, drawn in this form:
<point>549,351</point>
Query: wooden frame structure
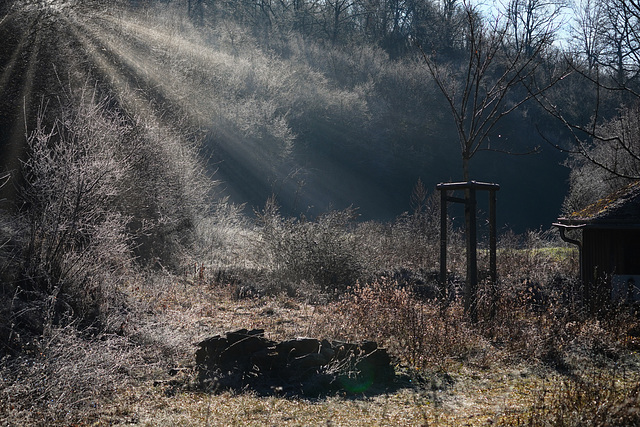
<point>470,206</point>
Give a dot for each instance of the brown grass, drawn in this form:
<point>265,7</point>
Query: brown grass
<point>454,374</point>
<point>534,358</point>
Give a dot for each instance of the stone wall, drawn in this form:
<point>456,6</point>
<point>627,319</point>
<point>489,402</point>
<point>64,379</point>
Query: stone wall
<point>245,359</point>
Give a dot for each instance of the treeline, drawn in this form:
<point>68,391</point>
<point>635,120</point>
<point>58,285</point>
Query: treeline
<point>392,25</point>
<point>362,117</point>
<point>329,104</point>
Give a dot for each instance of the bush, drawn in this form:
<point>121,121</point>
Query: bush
<point>63,379</point>
<point>422,334</point>
<point>166,193</point>
<point>591,400</point>
<point>411,241</point>
<point>321,253</point>
<point>77,248</point>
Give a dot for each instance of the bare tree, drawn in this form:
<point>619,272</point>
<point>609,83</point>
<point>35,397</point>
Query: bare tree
<point>603,166</point>
<point>482,90</point>
<point>532,22</point>
<point>305,15</point>
<point>587,42</point>
<point>486,87</point>
<point>621,37</point>
<point>606,62</point>
<point>336,16</point>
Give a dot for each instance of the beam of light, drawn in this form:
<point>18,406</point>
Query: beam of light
<point>175,43</point>
<point>29,77</point>
<point>188,84</point>
<point>167,141</point>
<point>9,17</point>
<point>197,99</point>
<point>131,98</point>
<point>174,80</point>
<point>8,68</point>
<point>146,75</point>
<point>15,145</point>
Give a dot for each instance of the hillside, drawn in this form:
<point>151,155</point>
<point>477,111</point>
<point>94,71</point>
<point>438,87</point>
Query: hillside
<point>317,126</point>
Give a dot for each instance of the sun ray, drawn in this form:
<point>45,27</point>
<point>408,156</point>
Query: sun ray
<point>10,65</point>
<point>3,20</point>
<point>199,105</point>
<point>134,71</point>
<point>131,97</point>
<point>15,143</point>
<point>173,80</point>
<point>127,95</point>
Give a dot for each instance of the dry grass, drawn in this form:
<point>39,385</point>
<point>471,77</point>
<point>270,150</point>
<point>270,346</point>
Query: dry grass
<point>153,407</point>
<point>538,361</point>
<point>535,358</point>
<point>102,350</point>
<point>460,378</point>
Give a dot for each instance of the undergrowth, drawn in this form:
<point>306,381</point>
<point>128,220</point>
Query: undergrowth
<point>592,399</point>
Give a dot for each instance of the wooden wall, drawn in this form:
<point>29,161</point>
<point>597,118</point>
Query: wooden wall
<point>607,252</point>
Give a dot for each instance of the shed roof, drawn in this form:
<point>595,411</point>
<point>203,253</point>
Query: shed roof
<point>620,208</point>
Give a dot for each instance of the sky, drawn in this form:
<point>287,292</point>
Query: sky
<point>495,8</point>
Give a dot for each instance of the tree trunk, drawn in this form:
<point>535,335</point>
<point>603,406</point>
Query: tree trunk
<point>471,283</point>
<point>465,167</point>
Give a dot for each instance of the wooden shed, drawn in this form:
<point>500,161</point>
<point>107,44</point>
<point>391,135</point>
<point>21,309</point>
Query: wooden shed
<point>609,243</point>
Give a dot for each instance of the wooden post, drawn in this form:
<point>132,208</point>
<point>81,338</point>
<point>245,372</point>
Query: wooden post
<point>471,288</point>
<point>443,247</point>
<point>470,202</point>
<point>493,243</point>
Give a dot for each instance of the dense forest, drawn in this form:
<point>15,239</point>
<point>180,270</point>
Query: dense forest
<point>176,162</point>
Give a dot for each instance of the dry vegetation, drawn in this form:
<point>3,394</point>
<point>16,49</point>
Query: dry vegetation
<point>113,264</point>
<point>540,360</point>
<point>92,335</point>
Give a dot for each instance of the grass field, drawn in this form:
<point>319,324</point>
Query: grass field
<point>112,379</point>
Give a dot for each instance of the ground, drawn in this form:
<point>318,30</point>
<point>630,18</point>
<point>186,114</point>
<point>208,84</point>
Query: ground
<point>466,393</point>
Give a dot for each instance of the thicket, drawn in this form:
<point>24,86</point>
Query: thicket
<point>102,195</point>
<point>278,111</point>
<point>368,50</point>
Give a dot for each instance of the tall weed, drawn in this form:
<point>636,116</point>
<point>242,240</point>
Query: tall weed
<point>420,333</point>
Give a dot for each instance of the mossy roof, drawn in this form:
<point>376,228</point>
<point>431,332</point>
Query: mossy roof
<point>621,207</point>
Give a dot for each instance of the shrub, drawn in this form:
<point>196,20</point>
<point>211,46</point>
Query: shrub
<point>100,189</point>
<point>591,400</point>
<point>320,253</point>
<point>411,241</point>
<point>420,333</point>
<point>76,246</point>
<point>224,238</point>
<point>64,379</point>
<point>165,192</point>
